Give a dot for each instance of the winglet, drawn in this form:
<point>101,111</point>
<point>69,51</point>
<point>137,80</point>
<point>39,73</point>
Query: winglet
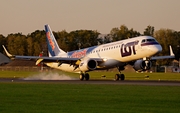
<point>7,53</point>
<point>171,51</point>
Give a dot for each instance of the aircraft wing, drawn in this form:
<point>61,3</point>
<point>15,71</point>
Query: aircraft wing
<point>46,59</point>
<point>42,58</point>
<point>164,57</point>
<point>60,60</point>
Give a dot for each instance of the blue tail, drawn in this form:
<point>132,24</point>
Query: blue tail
<point>53,48</point>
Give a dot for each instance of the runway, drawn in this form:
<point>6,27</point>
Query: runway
<point>125,82</point>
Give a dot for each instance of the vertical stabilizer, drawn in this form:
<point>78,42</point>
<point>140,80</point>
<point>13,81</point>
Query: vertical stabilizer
<point>53,48</point>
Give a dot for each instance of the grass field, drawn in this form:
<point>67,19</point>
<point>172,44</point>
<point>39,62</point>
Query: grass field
<point>87,98</point>
<point>93,75</point>
<point>45,97</point>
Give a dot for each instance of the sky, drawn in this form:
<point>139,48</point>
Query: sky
<point>27,16</point>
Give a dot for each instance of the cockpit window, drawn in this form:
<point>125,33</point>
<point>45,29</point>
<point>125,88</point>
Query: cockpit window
<point>148,40</point>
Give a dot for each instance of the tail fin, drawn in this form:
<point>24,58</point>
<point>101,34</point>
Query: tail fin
<point>53,48</point>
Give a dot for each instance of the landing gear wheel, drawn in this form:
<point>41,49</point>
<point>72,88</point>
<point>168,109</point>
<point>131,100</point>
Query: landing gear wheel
<point>86,76</point>
<point>122,76</point>
<point>117,77</point>
<point>81,76</point>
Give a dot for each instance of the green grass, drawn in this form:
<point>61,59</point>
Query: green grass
<point>139,76</point>
<point>18,74</point>
<point>87,98</point>
<point>45,97</point>
<point>97,75</point>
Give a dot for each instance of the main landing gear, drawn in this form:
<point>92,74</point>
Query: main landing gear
<point>119,76</point>
<point>83,76</point>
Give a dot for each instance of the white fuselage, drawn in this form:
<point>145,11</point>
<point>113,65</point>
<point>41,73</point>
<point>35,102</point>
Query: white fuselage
<point>115,52</point>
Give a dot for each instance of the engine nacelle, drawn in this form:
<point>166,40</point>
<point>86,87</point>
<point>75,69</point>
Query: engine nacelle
<point>142,65</point>
<point>88,65</point>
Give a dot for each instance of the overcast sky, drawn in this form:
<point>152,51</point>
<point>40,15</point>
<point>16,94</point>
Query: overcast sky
<point>26,16</point>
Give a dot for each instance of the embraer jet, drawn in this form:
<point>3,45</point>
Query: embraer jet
<point>137,51</point>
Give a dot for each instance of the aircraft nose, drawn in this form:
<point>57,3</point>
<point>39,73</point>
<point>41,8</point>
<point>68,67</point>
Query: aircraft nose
<point>156,49</point>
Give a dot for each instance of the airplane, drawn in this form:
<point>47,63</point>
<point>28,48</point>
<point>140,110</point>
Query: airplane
<point>138,51</point>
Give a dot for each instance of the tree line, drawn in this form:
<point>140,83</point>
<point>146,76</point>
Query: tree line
<point>35,42</point>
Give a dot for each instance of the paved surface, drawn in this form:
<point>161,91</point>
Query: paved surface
<point>125,82</point>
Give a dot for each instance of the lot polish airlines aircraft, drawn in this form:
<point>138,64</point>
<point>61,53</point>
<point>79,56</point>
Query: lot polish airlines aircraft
<point>138,50</point>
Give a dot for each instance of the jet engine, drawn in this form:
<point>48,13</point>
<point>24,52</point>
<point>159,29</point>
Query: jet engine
<point>88,65</point>
<point>142,65</point>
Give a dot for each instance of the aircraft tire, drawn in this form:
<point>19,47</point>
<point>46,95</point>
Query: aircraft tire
<point>122,76</point>
<point>81,76</point>
<point>117,77</point>
<point>86,76</point>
